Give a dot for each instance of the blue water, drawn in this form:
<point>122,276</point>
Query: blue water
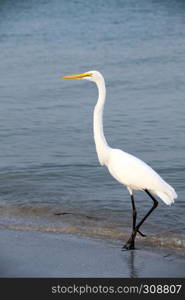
<point>47,152</point>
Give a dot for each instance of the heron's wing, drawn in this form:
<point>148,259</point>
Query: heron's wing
<point>133,172</point>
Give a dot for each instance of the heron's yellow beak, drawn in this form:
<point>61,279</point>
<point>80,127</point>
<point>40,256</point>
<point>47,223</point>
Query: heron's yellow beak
<point>76,76</point>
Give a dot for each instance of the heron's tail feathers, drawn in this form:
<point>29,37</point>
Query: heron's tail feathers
<point>168,195</point>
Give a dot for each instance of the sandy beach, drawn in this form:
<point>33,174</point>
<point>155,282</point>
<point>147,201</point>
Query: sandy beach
<point>42,254</point>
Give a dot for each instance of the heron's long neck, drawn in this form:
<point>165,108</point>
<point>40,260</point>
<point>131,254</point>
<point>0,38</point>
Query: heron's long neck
<point>102,147</point>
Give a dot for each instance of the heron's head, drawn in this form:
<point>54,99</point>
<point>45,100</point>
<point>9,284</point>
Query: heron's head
<point>90,75</point>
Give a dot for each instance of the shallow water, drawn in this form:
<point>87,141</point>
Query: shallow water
<point>47,154</point>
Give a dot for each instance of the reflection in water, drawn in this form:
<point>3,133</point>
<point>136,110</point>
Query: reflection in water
<point>133,272</point>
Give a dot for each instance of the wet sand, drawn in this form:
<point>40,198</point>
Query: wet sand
<point>42,254</point>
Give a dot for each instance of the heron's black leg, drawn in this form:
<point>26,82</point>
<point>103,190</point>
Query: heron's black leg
<point>155,204</point>
<point>134,213</point>
<point>130,243</point>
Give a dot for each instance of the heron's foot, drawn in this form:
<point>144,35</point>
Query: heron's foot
<point>143,235</point>
<point>128,246</point>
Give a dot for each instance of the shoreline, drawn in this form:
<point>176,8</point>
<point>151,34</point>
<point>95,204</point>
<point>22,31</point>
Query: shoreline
<point>87,225</point>
<point>29,253</point>
<point>166,240</point>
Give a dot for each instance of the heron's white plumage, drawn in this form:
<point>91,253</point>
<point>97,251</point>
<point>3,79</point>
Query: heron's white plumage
<point>137,175</point>
<point>124,167</point>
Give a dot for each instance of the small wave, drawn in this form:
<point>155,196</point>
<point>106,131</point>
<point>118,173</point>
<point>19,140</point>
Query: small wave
<point>165,240</point>
<point>168,240</point>
<point>70,229</point>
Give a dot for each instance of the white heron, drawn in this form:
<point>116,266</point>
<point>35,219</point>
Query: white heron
<point>124,167</point>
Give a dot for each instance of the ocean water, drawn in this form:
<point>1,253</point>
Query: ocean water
<point>50,177</point>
